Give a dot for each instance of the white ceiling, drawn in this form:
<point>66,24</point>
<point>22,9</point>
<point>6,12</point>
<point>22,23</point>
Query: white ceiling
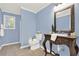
<point>16,7</point>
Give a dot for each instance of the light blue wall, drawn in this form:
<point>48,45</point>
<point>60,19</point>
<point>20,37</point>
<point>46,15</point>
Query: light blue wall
<point>10,35</point>
<point>45,19</point>
<point>27,26</point>
<point>0,16</point>
<point>77,22</point>
<point>77,18</point>
<point>0,24</point>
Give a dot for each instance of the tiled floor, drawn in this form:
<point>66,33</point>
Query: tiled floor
<point>14,50</point>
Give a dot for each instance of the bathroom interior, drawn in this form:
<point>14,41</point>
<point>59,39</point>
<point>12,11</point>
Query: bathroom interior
<point>39,29</point>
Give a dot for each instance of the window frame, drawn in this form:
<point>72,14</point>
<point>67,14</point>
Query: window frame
<point>4,21</point>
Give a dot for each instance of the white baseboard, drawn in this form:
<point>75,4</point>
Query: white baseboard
<point>25,46</point>
<point>8,44</point>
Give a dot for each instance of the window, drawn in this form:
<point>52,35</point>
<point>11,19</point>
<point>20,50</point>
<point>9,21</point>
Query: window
<point>9,22</point>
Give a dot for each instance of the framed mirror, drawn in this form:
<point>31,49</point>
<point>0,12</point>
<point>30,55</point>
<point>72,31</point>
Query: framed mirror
<point>64,20</point>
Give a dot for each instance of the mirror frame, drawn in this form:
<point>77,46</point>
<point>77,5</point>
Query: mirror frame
<point>72,20</point>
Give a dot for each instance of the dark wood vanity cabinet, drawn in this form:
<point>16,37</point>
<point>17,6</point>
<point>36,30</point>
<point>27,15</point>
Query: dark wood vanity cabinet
<point>69,41</point>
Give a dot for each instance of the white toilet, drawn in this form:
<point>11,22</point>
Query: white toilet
<point>35,42</point>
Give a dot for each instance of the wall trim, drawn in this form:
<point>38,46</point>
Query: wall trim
<point>35,12</point>
<point>27,9</point>
<point>11,12</point>
<point>25,46</point>
<point>7,44</point>
<point>42,8</point>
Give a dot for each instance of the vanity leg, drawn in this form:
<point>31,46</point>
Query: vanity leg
<point>44,45</point>
<point>56,54</point>
<point>72,49</point>
<point>77,49</point>
<point>50,47</point>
